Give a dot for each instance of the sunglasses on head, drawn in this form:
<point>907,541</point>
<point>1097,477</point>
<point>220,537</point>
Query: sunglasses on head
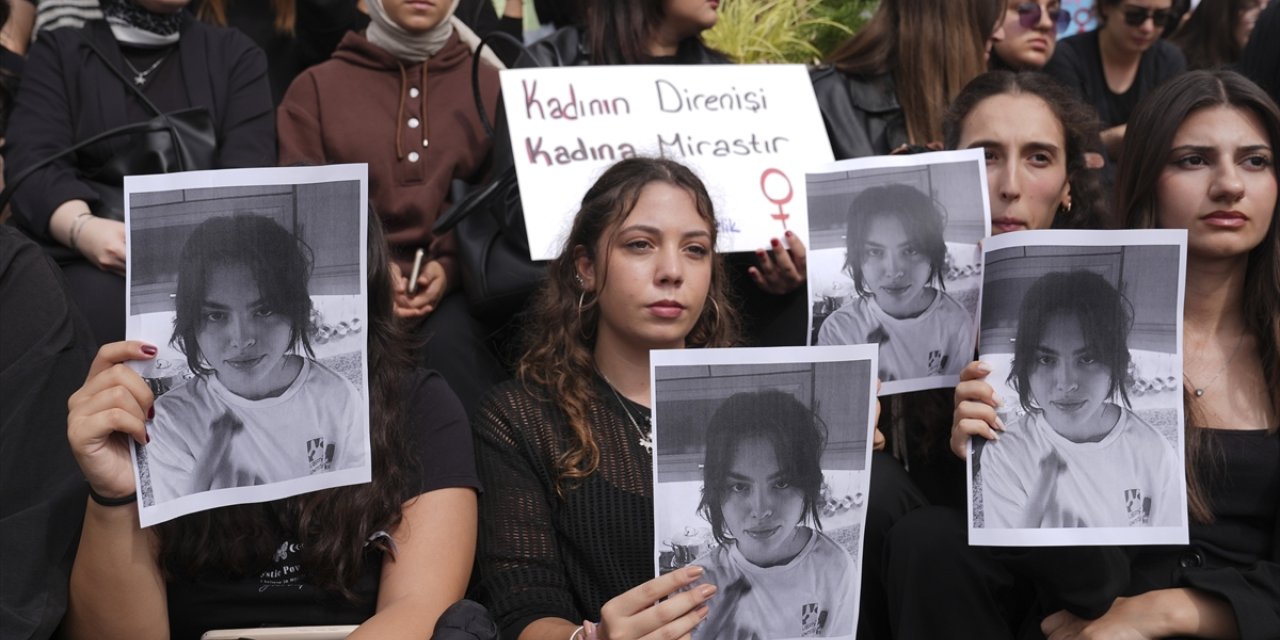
<point>1029,16</point>
<point>1135,16</point>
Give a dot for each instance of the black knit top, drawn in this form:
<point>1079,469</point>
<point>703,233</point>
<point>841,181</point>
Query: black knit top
<point>546,555</point>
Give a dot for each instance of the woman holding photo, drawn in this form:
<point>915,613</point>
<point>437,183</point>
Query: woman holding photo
<point>350,555</point>
<point>1208,166</point>
<point>564,449</point>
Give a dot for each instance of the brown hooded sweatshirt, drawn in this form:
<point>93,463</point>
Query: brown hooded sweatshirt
<point>415,124</point>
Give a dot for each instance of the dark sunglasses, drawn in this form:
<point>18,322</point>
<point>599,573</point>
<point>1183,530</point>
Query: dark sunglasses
<point>1029,16</point>
<point>1135,16</point>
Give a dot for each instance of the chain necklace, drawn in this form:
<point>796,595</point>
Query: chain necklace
<point>140,77</point>
<point>1199,391</point>
<point>646,438</point>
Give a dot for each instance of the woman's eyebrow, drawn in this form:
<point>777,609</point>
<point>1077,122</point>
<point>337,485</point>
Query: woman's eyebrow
<point>658,232</point>
<point>738,476</point>
<point>1042,146</point>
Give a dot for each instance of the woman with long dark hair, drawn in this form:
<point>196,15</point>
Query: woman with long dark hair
<point>564,449</point>
<point>389,555</point>
<point>1217,32</point>
<point>1207,165</point>
<point>891,82</point>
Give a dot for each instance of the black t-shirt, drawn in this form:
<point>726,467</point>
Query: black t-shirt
<point>1237,556</point>
<point>280,596</point>
<point>1077,63</point>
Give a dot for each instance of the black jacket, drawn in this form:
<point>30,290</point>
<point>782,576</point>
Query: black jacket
<point>68,94</point>
<point>862,115</point>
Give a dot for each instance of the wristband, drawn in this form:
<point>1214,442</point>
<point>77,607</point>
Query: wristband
<point>76,226</point>
<point>576,633</point>
<point>112,502</point>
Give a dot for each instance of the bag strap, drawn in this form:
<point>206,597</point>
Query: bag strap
<point>487,41</point>
<point>160,123</point>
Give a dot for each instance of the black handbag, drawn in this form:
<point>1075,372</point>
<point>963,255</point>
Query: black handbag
<point>183,140</point>
<point>493,249</point>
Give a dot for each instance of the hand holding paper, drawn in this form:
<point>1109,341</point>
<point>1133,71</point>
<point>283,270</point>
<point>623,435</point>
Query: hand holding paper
<point>105,413</point>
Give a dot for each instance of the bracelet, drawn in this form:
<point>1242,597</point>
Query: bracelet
<point>576,633</point>
<point>76,226</point>
<point>112,502</point>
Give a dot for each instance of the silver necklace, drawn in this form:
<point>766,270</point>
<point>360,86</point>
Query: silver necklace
<point>140,77</point>
<point>1199,391</point>
<point>646,439</point>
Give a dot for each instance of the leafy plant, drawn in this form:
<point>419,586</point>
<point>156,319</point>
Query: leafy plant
<point>751,31</point>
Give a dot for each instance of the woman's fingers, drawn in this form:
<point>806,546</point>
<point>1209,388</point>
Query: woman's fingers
<point>974,417</point>
<point>634,613</point>
<point>115,353</point>
<point>643,596</point>
<point>682,626</point>
<point>976,370</point>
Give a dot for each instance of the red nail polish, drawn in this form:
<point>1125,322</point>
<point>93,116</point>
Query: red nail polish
<point>151,413</point>
<point>776,242</point>
<point>149,350</point>
<point>789,234</point>
<point>147,436</point>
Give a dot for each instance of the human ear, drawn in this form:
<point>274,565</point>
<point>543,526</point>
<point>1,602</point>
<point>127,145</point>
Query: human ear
<point>585,268</point>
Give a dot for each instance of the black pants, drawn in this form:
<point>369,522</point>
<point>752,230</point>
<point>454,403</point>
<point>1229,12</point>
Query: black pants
<point>940,587</point>
<point>891,496</point>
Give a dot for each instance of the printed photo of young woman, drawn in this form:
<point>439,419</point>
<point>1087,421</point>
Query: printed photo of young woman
<point>1082,339</point>
<point>258,316</point>
<point>762,470</point>
<point>894,261</point>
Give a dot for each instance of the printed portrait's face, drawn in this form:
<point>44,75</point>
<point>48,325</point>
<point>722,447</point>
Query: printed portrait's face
<point>761,508</point>
<point>1025,152</point>
<point>658,273</point>
<point>1219,183</point>
<point>1068,380</point>
<point>894,269</point>
<point>241,337</point>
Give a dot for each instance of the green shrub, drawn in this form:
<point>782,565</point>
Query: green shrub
<point>751,31</point>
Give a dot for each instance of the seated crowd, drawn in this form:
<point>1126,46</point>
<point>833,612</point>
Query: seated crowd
<point>506,467</point>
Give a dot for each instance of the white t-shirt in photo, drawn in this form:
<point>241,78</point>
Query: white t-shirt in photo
<point>1130,478</point>
<point>813,595</point>
<point>313,427</point>
<point>939,341</point>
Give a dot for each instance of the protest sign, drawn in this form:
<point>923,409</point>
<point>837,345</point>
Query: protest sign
<point>749,132</point>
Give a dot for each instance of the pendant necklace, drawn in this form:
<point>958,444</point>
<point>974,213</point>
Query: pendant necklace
<point>646,439</point>
<point>1199,391</point>
<point>140,77</point>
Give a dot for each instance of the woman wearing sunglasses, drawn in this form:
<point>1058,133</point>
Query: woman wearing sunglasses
<point>1031,29</point>
<point>1115,65</point>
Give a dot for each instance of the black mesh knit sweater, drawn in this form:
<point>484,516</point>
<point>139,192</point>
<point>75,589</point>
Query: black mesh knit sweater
<point>542,555</point>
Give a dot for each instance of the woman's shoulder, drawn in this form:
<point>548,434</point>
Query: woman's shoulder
<point>873,94</point>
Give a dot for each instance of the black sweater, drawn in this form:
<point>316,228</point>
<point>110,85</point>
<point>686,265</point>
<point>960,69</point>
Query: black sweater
<point>545,555</point>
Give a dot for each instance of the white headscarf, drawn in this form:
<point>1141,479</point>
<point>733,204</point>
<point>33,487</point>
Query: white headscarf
<point>402,44</point>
